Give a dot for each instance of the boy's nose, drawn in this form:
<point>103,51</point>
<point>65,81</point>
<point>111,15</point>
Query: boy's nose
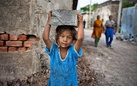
<point>65,38</point>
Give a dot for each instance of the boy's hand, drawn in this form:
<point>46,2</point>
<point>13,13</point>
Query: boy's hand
<point>49,16</point>
<point>80,18</point>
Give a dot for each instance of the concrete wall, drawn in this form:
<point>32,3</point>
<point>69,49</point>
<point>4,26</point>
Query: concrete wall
<point>26,17</point>
<point>22,16</point>
<point>15,65</point>
<point>129,21</point>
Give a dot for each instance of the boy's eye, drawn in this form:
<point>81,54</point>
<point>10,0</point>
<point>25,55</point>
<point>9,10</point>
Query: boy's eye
<point>69,37</point>
<point>62,36</point>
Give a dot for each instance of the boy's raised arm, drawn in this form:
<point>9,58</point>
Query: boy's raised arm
<point>80,37</point>
<point>46,32</point>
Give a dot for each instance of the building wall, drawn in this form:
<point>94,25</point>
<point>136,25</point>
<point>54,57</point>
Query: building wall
<point>107,8</point>
<point>21,57</point>
<point>85,17</point>
<point>104,10</point>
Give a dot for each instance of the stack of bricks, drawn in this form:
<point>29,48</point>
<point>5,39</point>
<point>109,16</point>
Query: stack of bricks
<point>13,43</point>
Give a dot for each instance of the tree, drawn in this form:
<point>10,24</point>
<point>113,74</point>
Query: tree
<point>84,9</point>
<point>94,7</point>
<point>128,4</point>
<point>87,8</point>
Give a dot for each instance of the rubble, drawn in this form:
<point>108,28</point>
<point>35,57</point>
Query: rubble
<point>127,38</point>
<point>86,75</point>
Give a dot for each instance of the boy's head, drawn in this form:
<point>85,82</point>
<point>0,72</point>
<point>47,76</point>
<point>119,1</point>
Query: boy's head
<point>65,34</point>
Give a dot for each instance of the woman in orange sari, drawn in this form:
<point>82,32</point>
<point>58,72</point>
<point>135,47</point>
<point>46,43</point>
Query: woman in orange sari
<point>97,30</point>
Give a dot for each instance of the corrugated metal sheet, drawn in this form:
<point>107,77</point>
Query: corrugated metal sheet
<point>129,21</point>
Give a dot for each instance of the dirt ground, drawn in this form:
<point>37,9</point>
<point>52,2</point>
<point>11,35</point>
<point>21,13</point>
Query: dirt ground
<point>116,66</point>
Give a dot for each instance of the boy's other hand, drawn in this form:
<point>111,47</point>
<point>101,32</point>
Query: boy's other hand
<point>80,18</point>
<point>49,16</point>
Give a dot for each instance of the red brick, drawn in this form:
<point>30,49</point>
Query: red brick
<point>22,37</point>
<point>3,49</point>
<point>13,43</point>
<point>2,32</point>
<point>4,37</point>
<point>21,49</point>
<point>28,43</point>
<point>1,43</point>
<point>32,38</point>
<point>12,49</point>
<point>29,48</point>
<point>13,37</point>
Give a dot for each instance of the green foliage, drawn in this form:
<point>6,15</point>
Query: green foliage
<point>87,8</point>
<point>128,4</point>
<point>94,7</point>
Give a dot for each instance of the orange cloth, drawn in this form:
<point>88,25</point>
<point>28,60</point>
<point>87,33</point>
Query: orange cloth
<point>98,29</point>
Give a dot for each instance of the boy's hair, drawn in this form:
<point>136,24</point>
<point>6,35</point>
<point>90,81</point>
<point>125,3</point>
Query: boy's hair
<point>61,28</point>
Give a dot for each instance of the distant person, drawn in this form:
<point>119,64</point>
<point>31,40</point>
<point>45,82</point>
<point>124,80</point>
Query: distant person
<point>97,30</point>
<point>64,54</point>
<point>110,30</point>
<point>84,24</point>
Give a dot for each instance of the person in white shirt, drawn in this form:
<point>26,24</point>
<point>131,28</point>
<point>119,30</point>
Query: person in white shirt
<point>110,31</point>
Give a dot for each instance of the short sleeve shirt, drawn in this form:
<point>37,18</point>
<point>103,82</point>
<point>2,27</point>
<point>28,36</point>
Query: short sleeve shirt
<point>110,23</point>
<point>63,71</point>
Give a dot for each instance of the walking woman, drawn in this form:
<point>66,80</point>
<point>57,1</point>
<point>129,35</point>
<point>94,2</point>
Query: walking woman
<point>97,30</point>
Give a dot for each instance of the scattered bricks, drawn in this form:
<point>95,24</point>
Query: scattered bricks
<point>28,43</point>
<point>4,37</point>
<point>21,49</point>
<point>22,37</point>
<point>12,49</point>
<point>64,17</point>
<point>3,49</point>
<point>14,43</point>
<point>1,43</point>
<point>13,37</point>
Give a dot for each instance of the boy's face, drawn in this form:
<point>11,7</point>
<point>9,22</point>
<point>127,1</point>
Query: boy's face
<point>65,39</point>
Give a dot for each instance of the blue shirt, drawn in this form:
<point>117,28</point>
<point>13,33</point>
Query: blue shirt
<point>63,71</point>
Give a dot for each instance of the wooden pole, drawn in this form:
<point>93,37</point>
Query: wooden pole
<point>119,14</point>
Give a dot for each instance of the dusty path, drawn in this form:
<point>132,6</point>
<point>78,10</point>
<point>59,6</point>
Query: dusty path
<point>116,66</point>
